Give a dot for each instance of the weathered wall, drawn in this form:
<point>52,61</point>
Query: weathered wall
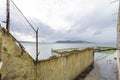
<point>0,44</point>
<point>16,66</point>
<point>118,63</point>
<point>65,67</point>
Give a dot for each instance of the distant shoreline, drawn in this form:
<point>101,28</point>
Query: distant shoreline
<point>70,41</point>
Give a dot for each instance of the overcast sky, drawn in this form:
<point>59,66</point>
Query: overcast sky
<point>90,20</point>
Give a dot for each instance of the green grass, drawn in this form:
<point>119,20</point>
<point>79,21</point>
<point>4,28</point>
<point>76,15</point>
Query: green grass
<point>110,52</point>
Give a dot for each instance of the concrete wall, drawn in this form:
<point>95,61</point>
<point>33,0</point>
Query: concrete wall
<point>16,65</point>
<point>0,43</point>
<point>65,67</point>
<point>118,63</point>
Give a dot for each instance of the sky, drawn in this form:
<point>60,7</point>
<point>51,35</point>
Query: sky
<point>90,20</point>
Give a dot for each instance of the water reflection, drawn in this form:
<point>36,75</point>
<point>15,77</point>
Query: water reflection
<point>106,66</point>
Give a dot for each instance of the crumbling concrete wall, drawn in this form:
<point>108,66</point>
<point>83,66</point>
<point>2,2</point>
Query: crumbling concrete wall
<point>65,67</point>
<point>0,44</point>
<point>17,64</point>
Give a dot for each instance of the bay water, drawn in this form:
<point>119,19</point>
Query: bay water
<point>45,48</point>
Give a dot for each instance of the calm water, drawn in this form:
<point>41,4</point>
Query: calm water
<point>45,49</point>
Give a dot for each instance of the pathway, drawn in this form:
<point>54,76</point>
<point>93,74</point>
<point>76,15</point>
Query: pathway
<point>104,68</point>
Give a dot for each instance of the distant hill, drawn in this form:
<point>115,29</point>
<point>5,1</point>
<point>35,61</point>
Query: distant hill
<point>70,41</point>
<point>66,41</point>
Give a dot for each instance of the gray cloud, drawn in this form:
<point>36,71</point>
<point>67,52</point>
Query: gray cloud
<point>97,26</point>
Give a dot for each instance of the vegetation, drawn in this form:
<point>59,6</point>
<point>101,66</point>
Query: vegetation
<point>106,50</point>
<point>110,52</point>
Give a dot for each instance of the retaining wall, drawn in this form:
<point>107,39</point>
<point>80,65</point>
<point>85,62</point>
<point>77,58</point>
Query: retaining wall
<point>65,67</point>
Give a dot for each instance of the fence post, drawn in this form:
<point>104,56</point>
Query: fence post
<point>37,45</point>
<point>8,16</point>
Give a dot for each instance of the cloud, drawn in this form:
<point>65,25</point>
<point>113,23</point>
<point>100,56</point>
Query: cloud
<point>64,20</point>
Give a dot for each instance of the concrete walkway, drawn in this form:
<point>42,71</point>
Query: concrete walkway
<point>104,68</point>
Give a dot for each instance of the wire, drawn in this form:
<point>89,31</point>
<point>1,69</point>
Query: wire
<point>23,16</point>
<point>114,1</point>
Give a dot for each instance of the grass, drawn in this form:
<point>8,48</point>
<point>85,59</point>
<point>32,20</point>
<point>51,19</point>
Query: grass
<point>105,50</point>
<point>109,52</point>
